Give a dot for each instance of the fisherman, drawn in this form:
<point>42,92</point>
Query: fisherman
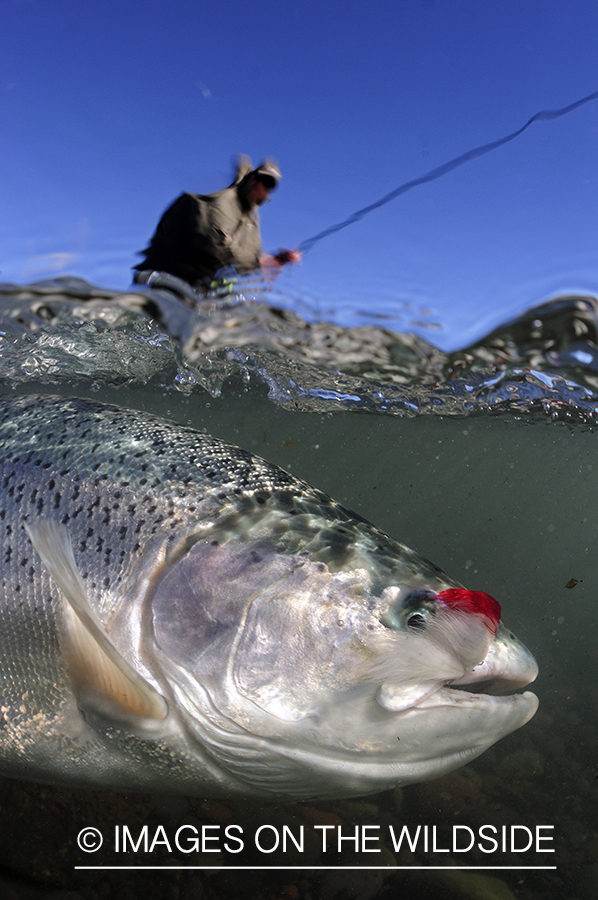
<point>200,234</point>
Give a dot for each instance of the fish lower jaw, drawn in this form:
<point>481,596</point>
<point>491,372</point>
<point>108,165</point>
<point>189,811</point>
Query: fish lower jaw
<point>455,697</point>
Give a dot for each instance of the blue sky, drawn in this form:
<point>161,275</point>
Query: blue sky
<point>110,110</point>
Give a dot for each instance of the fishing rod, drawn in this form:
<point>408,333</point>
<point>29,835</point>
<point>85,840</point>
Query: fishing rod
<point>433,174</point>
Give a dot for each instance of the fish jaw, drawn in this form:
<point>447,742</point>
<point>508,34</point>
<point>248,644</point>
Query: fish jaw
<point>353,747</point>
<point>427,743</point>
<point>443,729</point>
<point>452,723</point>
<point>507,666</point>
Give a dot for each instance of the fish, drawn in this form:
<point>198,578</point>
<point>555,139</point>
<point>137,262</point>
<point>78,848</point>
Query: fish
<point>179,615</point>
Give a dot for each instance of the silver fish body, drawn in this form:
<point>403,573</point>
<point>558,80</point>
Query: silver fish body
<point>179,615</point>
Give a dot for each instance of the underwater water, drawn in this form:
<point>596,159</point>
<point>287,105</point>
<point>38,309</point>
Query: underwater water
<point>481,460</point>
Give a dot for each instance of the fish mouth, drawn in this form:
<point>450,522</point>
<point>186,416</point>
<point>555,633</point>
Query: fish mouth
<point>526,702</point>
<point>507,667</point>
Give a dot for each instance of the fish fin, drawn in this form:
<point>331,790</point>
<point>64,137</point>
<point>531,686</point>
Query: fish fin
<point>103,680</point>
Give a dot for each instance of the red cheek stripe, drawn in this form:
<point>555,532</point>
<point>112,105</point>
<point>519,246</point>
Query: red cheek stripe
<point>475,602</point>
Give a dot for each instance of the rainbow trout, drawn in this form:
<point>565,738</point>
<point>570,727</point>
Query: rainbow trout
<point>180,615</point>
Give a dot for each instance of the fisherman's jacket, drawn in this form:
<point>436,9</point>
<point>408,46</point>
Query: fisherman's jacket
<point>201,233</point>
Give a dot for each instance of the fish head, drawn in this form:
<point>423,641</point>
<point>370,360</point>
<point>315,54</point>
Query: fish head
<point>300,680</point>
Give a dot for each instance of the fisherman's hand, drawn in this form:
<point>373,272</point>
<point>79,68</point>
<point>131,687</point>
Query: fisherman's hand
<point>287,256</point>
<point>272,263</point>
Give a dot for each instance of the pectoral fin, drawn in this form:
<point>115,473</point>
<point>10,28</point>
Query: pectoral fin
<point>103,680</point>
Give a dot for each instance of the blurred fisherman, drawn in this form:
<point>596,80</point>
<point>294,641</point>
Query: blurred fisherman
<point>199,234</point>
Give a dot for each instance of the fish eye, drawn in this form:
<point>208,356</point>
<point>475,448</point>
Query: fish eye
<point>417,621</point>
<point>412,611</point>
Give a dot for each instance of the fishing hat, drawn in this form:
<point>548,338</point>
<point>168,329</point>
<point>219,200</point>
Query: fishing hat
<point>268,172</point>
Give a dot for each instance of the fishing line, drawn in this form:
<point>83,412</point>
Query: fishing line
<point>544,115</point>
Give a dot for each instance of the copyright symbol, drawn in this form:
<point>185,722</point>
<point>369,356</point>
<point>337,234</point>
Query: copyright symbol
<point>90,840</point>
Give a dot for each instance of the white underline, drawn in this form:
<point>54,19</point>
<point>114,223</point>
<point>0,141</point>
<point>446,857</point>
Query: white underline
<point>317,868</point>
